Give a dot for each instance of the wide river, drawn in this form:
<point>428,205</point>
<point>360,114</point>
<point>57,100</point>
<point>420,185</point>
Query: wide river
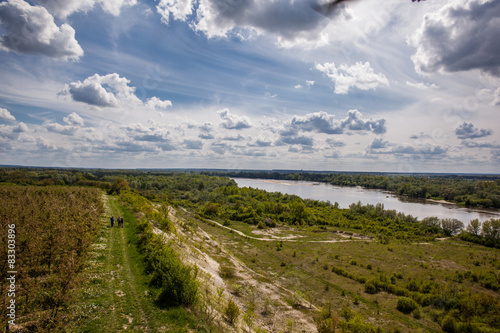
<point>348,195</point>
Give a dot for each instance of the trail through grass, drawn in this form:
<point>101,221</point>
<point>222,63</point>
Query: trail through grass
<point>116,298</point>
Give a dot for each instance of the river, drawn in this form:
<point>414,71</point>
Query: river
<point>345,196</point>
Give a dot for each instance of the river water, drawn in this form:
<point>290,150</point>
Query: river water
<point>345,196</point>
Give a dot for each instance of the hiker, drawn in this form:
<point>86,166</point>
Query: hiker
<point>112,219</point>
<point>120,222</point>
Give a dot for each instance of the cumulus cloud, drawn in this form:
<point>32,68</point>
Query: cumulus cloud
<point>360,75</point>
<point>322,122</point>
<point>61,129</point>
<point>262,142</point>
<point>102,91</point>
<point>44,144</point>
<point>64,8</point>
<point>32,30</point>
<point>74,119</point>
<point>206,131</point>
<point>461,36</point>
<point>231,121</point>
<point>378,143</point>
<point>5,115</point>
<point>287,19</point>
<point>469,131</point>
<point>157,104</point>
<point>177,9</point>
<point>13,131</point>
<point>73,123</point>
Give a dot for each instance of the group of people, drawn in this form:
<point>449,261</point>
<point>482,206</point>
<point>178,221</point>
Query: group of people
<point>119,220</point>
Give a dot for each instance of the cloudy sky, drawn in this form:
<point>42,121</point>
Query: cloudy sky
<point>372,85</point>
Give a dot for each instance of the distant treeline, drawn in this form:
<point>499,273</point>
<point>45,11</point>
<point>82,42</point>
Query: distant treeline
<point>214,195</point>
<point>482,191</point>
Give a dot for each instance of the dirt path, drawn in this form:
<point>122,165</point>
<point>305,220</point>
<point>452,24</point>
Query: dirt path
<point>127,308</point>
<point>288,239</point>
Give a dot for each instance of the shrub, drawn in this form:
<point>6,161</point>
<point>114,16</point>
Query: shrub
<point>449,325</point>
<point>177,281</point>
<point>327,322</point>
<point>232,311</point>
<point>406,305</point>
<point>370,288</point>
<point>226,271</point>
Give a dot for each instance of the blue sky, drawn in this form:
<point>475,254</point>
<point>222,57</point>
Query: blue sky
<point>394,86</point>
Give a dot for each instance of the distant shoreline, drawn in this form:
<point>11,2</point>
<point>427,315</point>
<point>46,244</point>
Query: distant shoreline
<point>441,201</point>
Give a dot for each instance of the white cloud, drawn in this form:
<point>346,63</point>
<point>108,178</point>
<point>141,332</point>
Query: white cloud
<point>32,30</point>
<point>74,119</point>
<point>322,122</point>
<point>5,114</point>
<point>178,9</point>
<point>45,144</point>
<point>102,91</point>
<point>157,104</point>
<point>359,75</point>
<point>421,85</point>
<point>460,36</point>
<point>231,121</point>
<point>64,8</point>
<point>13,131</point>
<point>61,129</point>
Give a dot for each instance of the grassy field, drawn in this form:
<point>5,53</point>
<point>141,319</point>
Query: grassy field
<point>335,274</point>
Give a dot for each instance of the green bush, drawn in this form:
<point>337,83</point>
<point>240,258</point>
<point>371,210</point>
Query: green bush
<point>449,325</point>
<point>406,305</point>
<point>370,288</point>
<point>227,271</point>
<point>177,281</point>
<point>232,311</point>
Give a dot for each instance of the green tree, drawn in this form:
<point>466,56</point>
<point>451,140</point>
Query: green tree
<point>119,185</point>
<point>451,226</point>
<point>474,227</point>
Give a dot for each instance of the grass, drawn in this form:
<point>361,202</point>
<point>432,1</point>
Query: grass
<point>306,266</point>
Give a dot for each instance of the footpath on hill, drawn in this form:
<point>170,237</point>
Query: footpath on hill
<point>116,298</point>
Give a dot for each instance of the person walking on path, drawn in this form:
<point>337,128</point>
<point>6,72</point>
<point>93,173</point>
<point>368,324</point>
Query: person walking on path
<point>112,219</point>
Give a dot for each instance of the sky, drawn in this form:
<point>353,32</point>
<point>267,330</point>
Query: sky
<point>368,85</point>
